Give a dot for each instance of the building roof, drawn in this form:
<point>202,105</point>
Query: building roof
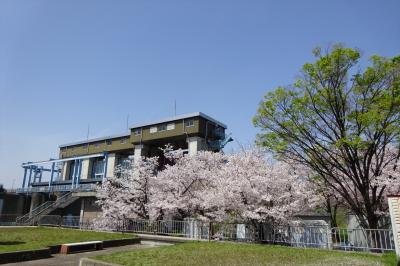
<point>127,134</point>
<point>180,117</point>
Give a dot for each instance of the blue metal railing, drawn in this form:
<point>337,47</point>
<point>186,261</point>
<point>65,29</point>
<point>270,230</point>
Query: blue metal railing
<point>56,188</point>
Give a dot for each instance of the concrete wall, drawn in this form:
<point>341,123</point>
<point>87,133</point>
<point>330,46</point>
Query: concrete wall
<point>89,208</point>
<point>14,203</point>
<point>196,144</point>
<point>36,200</point>
<point>140,150</point>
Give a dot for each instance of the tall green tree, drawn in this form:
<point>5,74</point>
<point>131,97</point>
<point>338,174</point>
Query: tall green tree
<point>343,123</point>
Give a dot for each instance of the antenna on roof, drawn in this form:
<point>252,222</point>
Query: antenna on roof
<point>127,122</point>
<point>175,107</point>
<point>87,137</point>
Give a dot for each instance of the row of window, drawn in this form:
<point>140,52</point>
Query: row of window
<point>138,131</point>
<point>109,142</point>
<point>97,144</point>
<point>96,168</point>
<point>162,127</point>
<point>170,126</point>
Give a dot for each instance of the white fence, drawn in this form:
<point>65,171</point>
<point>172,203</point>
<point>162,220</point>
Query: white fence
<point>190,228</point>
<point>367,240</point>
<point>375,240</point>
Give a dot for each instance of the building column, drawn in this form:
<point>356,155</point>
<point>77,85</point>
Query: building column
<point>78,174</point>
<point>82,211</point>
<point>85,169</point>
<point>140,150</point>
<point>65,170</point>
<point>25,172</point>
<point>196,144</point>
<point>51,175</point>
<point>35,201</point>
<point>105,165</point>
<point>30,176</point>
<point>74,172</point>
<point>110,165</point>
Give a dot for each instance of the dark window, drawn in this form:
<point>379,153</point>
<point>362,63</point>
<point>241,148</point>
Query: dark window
<point>123,141</point>
<point>97,168</point>
<point>162,127</point>
<point>108,142</point>
<point>189,123</point>
<point>71,167</point>
<point>137,131</point>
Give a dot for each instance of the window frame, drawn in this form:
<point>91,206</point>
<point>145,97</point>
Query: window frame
<point>171,126</point>
<point>190,121</point>
<point>137,131</point>
<point>153,129</point>
<point>162,127</point>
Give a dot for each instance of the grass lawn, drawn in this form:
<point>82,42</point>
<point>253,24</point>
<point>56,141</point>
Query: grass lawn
<point>219,253</point>
<point>24,238</point>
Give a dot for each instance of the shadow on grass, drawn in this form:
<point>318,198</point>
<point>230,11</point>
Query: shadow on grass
<point>9,243</point>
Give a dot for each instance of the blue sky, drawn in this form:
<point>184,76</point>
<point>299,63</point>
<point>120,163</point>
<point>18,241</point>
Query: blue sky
<point>64,64</point>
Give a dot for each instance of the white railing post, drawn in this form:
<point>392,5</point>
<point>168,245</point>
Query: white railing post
<point>394,210</point>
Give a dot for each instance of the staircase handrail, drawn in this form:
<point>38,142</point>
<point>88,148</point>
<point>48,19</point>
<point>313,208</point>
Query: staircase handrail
<point>41,208</point>
<point>60,199</point>
<point>33,212</point>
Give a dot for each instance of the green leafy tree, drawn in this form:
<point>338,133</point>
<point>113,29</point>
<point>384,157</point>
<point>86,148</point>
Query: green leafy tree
<point>339,121</point>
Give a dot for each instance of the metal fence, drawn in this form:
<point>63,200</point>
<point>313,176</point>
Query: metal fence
<point>306,236</point>
<point>297,236</point>
<point>66,221</point>
<point>8,219</point>
<point>375,240</point>
<point>189,228</point>
<point>61,188</point>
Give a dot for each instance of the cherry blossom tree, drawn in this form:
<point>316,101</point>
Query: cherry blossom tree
<point>127,193</point>
<point>242,186</point>
<point>182,189</point>
<point>258,188</point>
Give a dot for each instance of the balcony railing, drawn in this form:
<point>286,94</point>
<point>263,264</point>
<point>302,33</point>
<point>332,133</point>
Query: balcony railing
<point>55,188</point>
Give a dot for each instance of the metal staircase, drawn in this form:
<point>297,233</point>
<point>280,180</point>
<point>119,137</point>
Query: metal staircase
<point>31,217</point>
<point>220,143</point>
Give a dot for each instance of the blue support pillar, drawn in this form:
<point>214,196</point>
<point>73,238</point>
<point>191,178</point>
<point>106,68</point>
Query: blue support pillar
<point>30,176</point>
<point>73,175</point>
<point>59,172</point>
<point>25,172</point>
<point>40,174</point>
<point>51,175</point>
<point>105,164</point>
<point>78,177</point>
